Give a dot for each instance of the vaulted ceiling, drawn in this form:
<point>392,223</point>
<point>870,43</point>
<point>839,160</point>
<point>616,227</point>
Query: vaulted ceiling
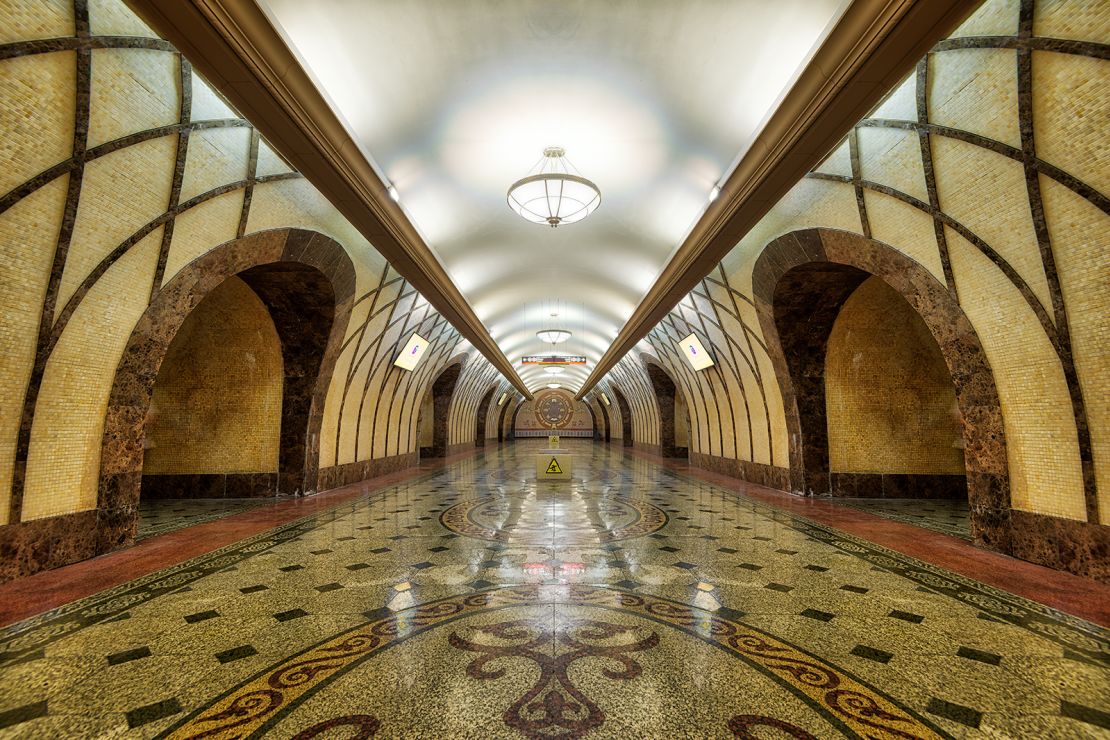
<point>653,101</point>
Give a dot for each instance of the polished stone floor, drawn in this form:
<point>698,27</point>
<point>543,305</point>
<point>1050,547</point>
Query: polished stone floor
<point>940,515</point>
<point>160,516</point>
<point>635,601</point>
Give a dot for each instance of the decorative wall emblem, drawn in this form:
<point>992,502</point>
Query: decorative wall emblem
<point>553,707</point>
<point>553,410</point>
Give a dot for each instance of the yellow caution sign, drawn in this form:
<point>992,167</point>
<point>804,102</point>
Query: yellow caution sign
<point>553,467</point>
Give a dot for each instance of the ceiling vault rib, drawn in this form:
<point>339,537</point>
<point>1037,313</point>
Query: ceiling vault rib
<point>237,49</point>
<point>872,47</point>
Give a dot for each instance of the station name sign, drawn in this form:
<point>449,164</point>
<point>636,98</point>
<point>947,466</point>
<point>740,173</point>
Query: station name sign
<point>553,360</point>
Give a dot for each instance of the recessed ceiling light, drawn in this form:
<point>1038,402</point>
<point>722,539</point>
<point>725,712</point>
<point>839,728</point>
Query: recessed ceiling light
<point>394,194</point>
<point>554,385</point>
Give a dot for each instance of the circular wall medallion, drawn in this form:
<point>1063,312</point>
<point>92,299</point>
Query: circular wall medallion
<point>553,410</point>
<point>536,521</point>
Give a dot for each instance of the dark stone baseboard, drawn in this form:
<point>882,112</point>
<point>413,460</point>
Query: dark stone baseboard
<point>41,544</point>
<point>752,472</point>
<point>1065,544</point>
<point>209,485</point>
<point>898,485</point>
<point>348,473</point>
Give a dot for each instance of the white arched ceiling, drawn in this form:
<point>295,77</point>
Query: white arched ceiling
<point>653,101</point>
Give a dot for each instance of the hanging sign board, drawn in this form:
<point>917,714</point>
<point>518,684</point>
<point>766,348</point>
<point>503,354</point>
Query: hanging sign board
<point>553,360</point>
<point>411,354</point>
<point>695,353</point>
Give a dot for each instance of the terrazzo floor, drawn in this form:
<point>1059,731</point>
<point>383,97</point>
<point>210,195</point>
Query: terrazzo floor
<point>160,516</point>
<point>939,515</point>
<point>634,601</point>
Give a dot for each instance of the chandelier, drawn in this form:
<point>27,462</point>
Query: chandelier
<point>553,370</point>
<point>553,194</point>
<point>553,336</point>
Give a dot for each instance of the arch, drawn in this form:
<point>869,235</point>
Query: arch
<point>310,318</point>
<point>626,417</point>
<point>799,283</point>
<point>593,421</point>
<point>501,419</point>
<point>666,393</point>
<point>606,433</point>
<point>483,412</point>
<point>431,426</point>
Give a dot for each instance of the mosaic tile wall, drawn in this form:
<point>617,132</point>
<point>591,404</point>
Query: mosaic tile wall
<point>120,172</point>
<point>988,167</point>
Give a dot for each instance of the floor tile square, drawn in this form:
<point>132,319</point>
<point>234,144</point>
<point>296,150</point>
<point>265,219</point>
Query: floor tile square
<point>955,712</point>
<point>328,587</point>
<point>153,712</point>
<point>818,615</point>
<point>201,616</point>
<point>879,656</point>
<point>291,614</point>
<point>127,656</point>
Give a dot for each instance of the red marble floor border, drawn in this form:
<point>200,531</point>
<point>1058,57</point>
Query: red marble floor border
<point>26,597</point>
<point>1082,597</point>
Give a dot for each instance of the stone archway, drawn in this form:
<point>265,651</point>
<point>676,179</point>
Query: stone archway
<point>310,319</point>
<point>800,281</point>
<point>667,397</point>
<point>431,426</point>
<point>483,411</point>
<point>626,417</point>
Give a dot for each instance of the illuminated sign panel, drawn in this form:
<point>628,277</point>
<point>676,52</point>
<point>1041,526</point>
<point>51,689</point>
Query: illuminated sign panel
<point>553,360</point>
<point>605,398</point>
<point>695,353</point>
<point>411,354</point>
<point>504,397</point>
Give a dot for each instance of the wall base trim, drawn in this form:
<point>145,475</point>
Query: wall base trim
<point>761,474</point>
<point>337,476</point>
<point>1077,547</point>
<point>899,485</point>
<point>209,485</point>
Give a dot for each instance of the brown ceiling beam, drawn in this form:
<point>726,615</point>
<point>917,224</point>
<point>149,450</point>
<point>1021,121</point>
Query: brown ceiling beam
<point>235,47</point>
<point>871,49</point>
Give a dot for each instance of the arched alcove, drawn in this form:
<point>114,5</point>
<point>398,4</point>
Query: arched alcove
<point>801,281</point>
<point>434,410</point>
<point>483,412</point>
<point>306,282</point>
<point>666,400</point>
<point>626,417</point>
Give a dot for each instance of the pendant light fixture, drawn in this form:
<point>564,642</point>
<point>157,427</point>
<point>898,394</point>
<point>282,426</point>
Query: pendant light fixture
<point>554,192</point>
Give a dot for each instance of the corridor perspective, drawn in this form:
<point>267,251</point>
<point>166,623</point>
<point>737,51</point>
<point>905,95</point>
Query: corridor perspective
<point>533,369</point>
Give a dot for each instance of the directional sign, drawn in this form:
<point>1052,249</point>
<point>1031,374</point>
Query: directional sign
<point>553,360</point>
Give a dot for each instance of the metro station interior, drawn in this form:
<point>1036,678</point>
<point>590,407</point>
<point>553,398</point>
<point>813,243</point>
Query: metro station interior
<point>534,369</point>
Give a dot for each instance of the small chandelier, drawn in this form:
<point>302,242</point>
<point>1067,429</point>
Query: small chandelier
<point>553,336</point>
<point>553,194</point>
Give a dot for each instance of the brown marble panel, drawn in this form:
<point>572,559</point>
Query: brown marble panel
<point>1077,547</point>
<point>28,547</point>
<point>348,473</point>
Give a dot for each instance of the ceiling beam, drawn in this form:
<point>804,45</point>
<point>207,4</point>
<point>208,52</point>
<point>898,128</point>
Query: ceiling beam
<point>872,48</point>
<point>238,51</point>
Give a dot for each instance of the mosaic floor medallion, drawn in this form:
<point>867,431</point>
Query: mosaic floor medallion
<point>540,519</point>
<point>555,662</point>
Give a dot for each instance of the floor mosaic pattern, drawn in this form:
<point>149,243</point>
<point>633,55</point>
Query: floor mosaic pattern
<point>940,515</point>
<point>631,602</point>
<point>169,515</point>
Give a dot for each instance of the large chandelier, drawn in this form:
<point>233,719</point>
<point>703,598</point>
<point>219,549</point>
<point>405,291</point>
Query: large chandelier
<point>553,194</point>
<point>553,336</point>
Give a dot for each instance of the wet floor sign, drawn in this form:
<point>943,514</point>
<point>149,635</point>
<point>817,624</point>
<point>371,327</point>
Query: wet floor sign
<point>552,465</point>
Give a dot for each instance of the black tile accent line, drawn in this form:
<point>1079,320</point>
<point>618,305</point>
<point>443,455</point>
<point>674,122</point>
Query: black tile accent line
<point>236,653</point>
<point>906,616</point>
<point>291,614</point>
<point>818,615</point>
<point>82,42</point>
<point>870,653</point>
<point>979,655</point>
<point>857,178</point>
<point>153,712</point>
<point>248,191</point>
<point>956,712</point>
<point>19,715</point>
<point>925,144</point>
<point>1079,712</point>
<point>127,656</point>
<point>201,616</point>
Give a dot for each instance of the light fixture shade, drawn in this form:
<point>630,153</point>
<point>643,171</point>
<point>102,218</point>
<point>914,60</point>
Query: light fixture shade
<point>554,336</point>
<point>553,370</point>
<point>554,195</point>
<point>554,385</point>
